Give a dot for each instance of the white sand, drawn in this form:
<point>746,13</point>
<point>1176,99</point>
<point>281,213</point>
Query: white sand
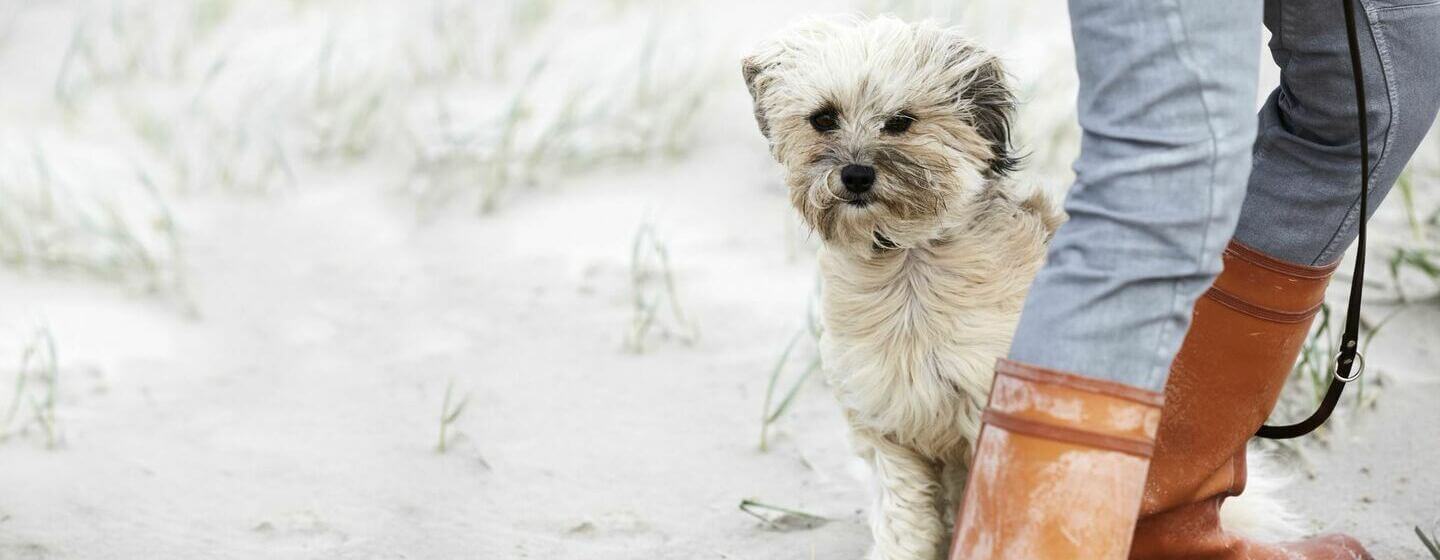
<point>1376,480</point>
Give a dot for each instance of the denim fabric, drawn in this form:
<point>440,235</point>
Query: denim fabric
<point>1302,203</point>
<point>1166,105</point>
<point>1166,95</point>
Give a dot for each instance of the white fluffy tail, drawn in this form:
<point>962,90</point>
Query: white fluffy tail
<point>1259,513</point>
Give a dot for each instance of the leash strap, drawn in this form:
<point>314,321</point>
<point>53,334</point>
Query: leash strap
<point>1345,361</point>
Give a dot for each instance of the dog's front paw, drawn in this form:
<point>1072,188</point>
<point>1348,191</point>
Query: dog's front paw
<point>905,520</point>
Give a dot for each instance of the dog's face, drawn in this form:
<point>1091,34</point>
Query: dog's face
<point>885,129</point>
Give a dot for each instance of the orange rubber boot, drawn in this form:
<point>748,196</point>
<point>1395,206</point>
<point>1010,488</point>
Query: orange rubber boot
<point>1245,336</point>
<point>1059,469</point>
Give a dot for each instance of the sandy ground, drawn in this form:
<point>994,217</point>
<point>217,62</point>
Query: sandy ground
<point>297,417</point>
<point>295,414</point>
<point>1374,480</point>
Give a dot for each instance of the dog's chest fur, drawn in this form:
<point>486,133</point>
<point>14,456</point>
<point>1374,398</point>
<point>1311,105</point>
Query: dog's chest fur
<point>912,335</point>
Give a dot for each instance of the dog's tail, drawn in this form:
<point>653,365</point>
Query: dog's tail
<point>1259,513</point>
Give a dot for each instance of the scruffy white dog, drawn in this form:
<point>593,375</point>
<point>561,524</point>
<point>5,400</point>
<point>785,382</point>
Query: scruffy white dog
<point>895,139</point>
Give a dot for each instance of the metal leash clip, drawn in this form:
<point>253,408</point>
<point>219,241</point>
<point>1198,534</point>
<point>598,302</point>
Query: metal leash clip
<point>1354,372</point>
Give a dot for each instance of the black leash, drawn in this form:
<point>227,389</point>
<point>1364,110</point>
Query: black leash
<point>1349,340</point>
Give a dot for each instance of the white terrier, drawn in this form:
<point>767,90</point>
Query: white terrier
<point>895,140</point>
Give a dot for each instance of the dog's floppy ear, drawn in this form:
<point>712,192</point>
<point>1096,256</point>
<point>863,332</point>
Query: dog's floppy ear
<point>752,69</point>
<point>985,94</point>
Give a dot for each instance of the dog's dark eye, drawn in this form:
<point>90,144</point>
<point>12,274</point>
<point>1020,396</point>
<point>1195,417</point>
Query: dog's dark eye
<point>825,121</point>
<point>898,123</point>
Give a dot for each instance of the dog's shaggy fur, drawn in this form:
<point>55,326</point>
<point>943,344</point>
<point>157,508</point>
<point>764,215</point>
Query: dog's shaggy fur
<point>925,274</point>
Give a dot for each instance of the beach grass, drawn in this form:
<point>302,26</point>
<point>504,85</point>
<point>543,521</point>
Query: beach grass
<point>653,292</point>
<point>450,411</point>
<point>35,391</point>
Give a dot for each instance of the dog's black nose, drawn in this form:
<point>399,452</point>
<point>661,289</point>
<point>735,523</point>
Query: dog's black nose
<point>857,178</point>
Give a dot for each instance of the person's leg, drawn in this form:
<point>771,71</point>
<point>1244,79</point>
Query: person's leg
<point>1167,93</point>
<point>1304,193</point>
<point>1298,218</point>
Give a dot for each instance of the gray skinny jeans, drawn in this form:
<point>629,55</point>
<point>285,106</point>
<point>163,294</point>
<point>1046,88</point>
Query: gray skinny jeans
<point>1171,164</point>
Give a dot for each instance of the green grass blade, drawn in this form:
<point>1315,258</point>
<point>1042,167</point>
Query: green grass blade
<point>1429,543</point>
